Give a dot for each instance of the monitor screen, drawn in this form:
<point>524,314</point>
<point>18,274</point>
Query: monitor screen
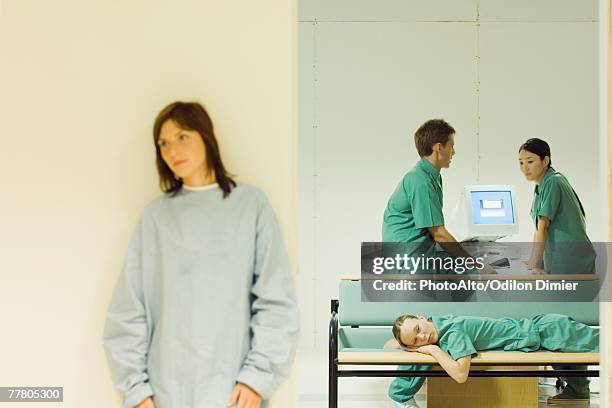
<point>492,207</point>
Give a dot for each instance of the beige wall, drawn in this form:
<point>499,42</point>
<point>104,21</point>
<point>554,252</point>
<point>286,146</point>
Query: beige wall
<point>81,83</point>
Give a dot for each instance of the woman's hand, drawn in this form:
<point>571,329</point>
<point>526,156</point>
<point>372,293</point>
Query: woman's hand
<point>538,271</point>
<point>244,396</point>
<point>535,267</point>
<point>146,403</point>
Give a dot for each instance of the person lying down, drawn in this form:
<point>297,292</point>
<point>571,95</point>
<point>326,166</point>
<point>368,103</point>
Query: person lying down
<point>454,340</point>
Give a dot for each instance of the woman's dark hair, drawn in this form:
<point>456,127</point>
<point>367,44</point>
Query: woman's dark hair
<point>542,149</point>
<point>539,147</point>
<point>190,116</point>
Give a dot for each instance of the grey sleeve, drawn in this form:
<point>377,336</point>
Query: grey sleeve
<point>274,315</point>
<point>126,332</point>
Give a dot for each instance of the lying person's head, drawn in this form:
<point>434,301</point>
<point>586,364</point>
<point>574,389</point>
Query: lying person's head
<point>414,331</point>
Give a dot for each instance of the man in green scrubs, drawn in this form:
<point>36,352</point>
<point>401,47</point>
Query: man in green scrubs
<point>414,212</point>
<point>454,340</point>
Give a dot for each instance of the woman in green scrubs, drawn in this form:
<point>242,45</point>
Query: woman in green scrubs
<point>561,245</point>
<point>454,340</point>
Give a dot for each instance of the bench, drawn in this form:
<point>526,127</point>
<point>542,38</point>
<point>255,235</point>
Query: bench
<point>358,331</point>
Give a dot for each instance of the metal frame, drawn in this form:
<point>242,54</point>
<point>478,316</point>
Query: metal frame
<point>334,372</point>
<point>333,355</point>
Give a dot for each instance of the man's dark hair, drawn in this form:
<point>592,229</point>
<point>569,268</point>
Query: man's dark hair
<point>431,132</point>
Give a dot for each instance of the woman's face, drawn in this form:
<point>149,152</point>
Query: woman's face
<point>184,152</point>
<point>532,167</point>
<point>418,332</point>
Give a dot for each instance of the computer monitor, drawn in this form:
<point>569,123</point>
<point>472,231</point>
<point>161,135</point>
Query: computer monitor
<point>486,213</point>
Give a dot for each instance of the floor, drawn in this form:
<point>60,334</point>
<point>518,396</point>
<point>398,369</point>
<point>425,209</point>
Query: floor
<point>372,392</point>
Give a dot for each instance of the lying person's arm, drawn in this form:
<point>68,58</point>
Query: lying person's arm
<point>458,370</point>
<point>392,344</point>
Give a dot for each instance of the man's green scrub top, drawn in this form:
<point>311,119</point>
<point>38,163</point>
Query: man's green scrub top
<point>568,249</point>
<point>415,205</point>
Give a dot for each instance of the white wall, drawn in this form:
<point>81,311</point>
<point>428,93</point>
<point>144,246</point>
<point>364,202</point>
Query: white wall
<point>500,72</point>
<point>81,83</point>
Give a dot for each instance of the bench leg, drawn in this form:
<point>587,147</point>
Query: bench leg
<point>333,384</point>
<point>333,356</point>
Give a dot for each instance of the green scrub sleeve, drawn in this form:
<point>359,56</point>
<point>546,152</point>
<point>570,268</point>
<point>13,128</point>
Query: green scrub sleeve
<point>458,344</point>
<point>274,316</point>
<point>426,207</point>
<point>126,331</point>
<point>551,197</point>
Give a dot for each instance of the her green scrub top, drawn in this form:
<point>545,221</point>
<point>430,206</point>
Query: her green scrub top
<point>568,249</point>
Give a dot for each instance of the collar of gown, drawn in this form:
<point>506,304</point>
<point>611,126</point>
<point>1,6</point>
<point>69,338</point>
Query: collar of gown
<point>201,188</point>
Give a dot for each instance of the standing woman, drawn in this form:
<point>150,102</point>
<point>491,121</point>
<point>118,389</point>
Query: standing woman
<point>204,312</point>
<point>561,245</point>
